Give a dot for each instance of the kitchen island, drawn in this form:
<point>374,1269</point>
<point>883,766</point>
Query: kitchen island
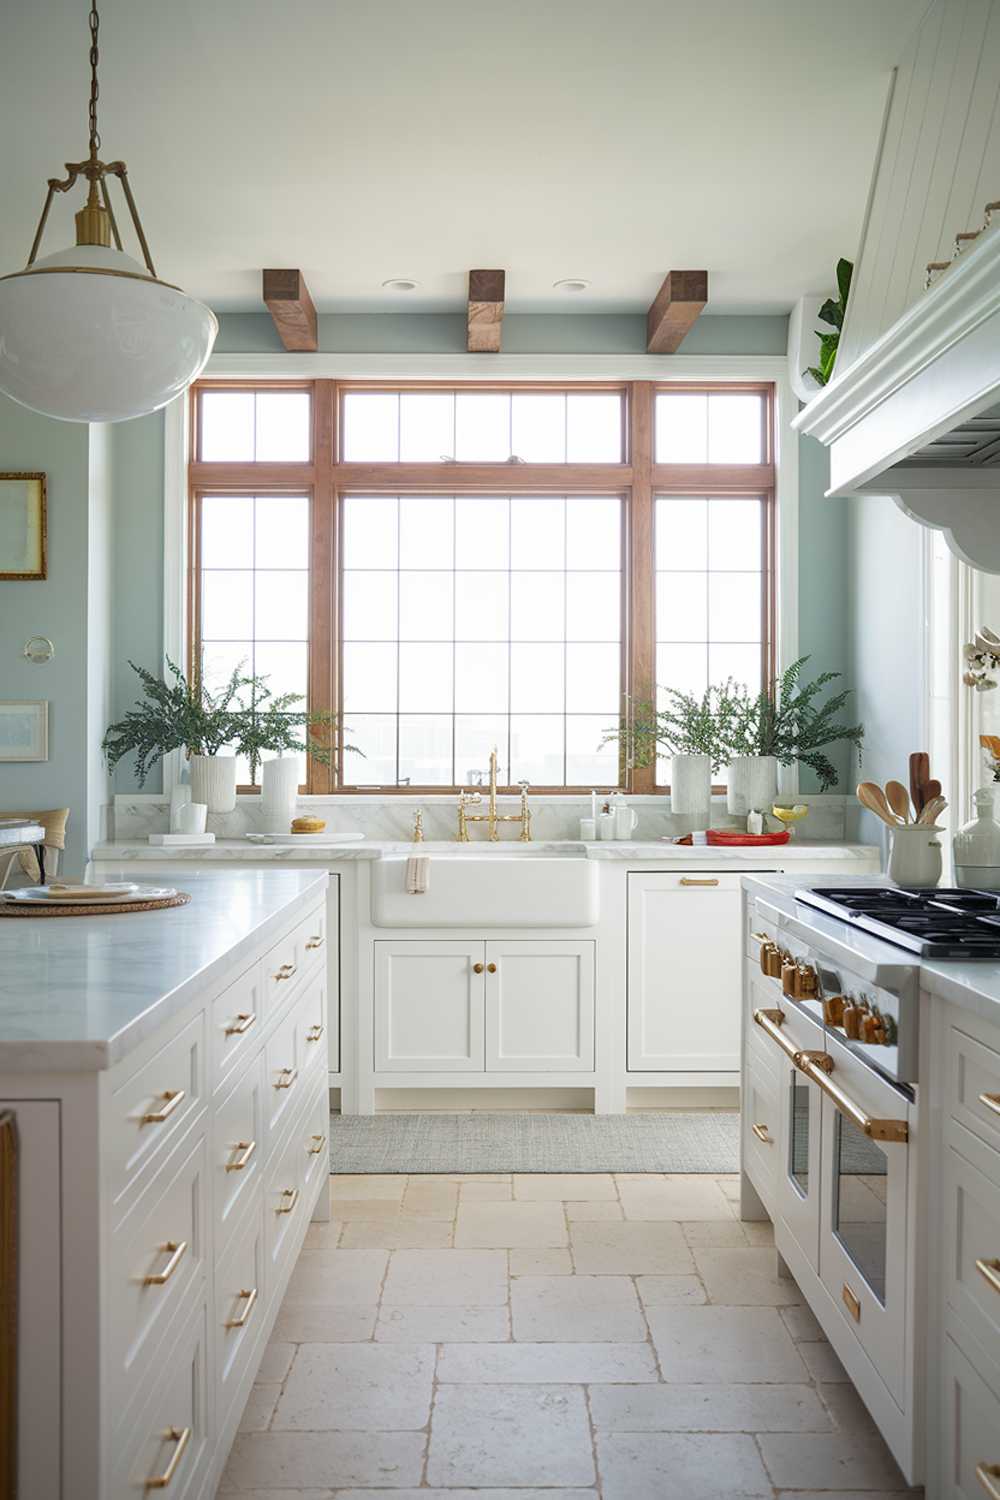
<point>165,1141</point>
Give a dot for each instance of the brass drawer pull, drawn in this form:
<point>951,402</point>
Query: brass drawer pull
<point>286,1077</point>
<point>241,1024</point>
<point>249,1298</point>
<point>989,1477</point>
<point>292,1194</point>
<point>314,942</point>
<point>320,1143</point>
<point>247,1148</point>
<point>477,968</point>
<point>992,1101</point>
<point>852,1302</point>
<point>177,1251</point>
<point>686,880</point>
<point>989,1270</point>
<point>180,1437</point>
<point>171,1099</point>
<point>285,972</point>
<point>315,1032</point>
<point>760,1131</point>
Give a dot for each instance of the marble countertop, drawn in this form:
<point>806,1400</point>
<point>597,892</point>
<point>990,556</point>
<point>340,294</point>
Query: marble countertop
<point>973,985</point>
<point>80,993</point>
<point>659,850</point>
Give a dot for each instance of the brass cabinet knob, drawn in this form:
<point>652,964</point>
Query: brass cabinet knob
<point>477,968</point>
<point>491,968</point>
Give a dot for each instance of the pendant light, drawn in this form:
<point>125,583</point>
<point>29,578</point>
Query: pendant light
<point>88,334</point>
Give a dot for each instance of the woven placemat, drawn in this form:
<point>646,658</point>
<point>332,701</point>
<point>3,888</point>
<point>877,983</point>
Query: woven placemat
<point>99,909</point>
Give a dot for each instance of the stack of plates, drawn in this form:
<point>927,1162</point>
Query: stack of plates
<point>349,836</point>
<point>91,895</point>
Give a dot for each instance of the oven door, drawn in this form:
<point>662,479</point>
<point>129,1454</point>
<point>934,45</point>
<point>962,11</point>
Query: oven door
<point>865,1172</point>
<point>797,1184</point>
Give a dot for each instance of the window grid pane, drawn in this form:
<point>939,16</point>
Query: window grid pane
<point>709,427</point>
<point>711,589</point>
<point>266,426</point>
<point>254,614</point>
<point>491,646</point>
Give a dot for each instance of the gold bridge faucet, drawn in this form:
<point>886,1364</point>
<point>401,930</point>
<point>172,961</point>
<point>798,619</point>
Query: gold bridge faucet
<point>491,817</point>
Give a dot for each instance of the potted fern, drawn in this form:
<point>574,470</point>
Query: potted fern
<point>689,731</point>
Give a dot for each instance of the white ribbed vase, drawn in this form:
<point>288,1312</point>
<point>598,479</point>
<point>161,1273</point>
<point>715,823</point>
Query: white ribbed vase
<point>753,784</point>
<point>213,781</point>
<point>279,790</point>
<point>691,788</point>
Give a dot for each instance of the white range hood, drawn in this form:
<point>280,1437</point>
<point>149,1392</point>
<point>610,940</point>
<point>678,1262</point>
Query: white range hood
<point>913,411</point>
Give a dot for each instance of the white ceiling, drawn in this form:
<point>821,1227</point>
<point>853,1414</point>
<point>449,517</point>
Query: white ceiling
<point>367,139</point>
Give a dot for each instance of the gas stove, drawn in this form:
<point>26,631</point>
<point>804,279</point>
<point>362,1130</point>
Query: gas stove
<point>961,924</point>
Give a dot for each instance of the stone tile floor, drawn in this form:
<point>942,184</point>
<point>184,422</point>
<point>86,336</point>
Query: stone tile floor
<point>578,1337</point>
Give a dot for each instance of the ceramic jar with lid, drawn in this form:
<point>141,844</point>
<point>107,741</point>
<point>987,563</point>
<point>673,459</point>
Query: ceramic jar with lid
<point>976,847</point>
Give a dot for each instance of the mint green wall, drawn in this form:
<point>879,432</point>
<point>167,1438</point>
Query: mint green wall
<point>56,608</point>
<point>138,468</point>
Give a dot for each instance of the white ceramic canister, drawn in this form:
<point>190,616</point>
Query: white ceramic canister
<point>180,796</point>
<point>915,857</point>
<point>279,791</point>
<point>625,817</point>
<point>605,825</point>
<point>192,818</point>
<point>691,788</point>
<point>213,781</point>
<point>753,784</point>
<point>976,847</point>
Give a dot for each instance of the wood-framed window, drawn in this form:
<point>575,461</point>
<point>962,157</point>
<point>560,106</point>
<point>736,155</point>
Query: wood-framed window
<point>453,565</point>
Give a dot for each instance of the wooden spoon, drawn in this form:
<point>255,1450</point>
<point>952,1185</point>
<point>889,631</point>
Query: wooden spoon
<point>898,799</point>
<point>929,790</point>
<point>931,811</point>
<point>920,770</point>
<point>873,797</point>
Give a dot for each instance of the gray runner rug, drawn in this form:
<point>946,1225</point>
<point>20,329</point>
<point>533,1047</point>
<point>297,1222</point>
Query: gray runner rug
<point>675,1141</point>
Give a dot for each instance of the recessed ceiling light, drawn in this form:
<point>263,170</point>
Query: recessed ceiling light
<point>571,284</point>
<point>400,284</point>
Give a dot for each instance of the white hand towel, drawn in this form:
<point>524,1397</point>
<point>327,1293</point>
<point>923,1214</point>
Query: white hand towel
<point>418,874</point>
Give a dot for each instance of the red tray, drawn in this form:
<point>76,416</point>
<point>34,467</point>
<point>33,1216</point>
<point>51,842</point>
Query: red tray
<point>723,836</point>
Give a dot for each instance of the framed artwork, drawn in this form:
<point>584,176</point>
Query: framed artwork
<point>24,731</point>
<point>22,526</point>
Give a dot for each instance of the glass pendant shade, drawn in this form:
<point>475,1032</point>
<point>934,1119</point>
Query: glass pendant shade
<point>88,335</point>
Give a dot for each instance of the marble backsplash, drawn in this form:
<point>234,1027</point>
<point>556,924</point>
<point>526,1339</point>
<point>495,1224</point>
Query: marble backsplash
<point>136,815</point>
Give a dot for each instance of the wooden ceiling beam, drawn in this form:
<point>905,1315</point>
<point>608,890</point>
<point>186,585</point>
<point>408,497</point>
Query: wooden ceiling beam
<point>290,305</point>
<point>674,310</point>
<point>486,302</point>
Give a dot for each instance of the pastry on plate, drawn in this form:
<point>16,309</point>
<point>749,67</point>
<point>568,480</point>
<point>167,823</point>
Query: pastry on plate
<point>308,825</point>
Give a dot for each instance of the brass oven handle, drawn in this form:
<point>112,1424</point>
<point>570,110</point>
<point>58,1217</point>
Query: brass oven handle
<point>992,1101</point>
<point>315,1032</point>
<point>760,1131</point>
<point>989,1477</point>
<point>171,1100</point>
<point>247,1148</point>
<point>320,1142</point>
<point>770,1022</point>
<point>177,1251</point>
<point>989,1270</point>
<point>180,1437</point>
<point>285,972</point>
<point>314,942</point>
<point>249,1298</point>
<point>286,1077</point>
<point>241,1024</point>
<point>686,880</point>
<point>876,1130</point>
<point>293,1195</point>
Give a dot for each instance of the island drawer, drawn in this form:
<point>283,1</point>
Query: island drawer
<point>238,1149</point>
<point>972,1081</point>
<point>291,958</point>
<point>235,1023</point>
<point>166,1446</point>
<point>312,1012</point>
<point>283,1062</point>
<point>760,1141</point>
<point>240,1302</point>
<point>284,1203</point>
<point>970,1199</point>
<point>315,1138</point>
<point>970,1428</point>
<point>156,1256</point>
<point>152,1109</point>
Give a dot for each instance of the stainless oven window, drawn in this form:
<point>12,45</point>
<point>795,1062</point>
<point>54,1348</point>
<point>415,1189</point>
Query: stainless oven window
<point>859,1202</point>
<point>798,1135</point>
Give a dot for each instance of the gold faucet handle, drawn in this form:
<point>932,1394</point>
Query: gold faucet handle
<point>418,826</point>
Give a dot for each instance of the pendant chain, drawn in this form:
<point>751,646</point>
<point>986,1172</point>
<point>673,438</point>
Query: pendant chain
<point>95,139</point>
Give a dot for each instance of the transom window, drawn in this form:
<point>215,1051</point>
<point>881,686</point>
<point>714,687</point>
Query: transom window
<point>453,569</point>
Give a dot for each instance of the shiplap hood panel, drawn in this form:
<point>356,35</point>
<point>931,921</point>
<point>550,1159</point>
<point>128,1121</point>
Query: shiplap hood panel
<point>913,409</point>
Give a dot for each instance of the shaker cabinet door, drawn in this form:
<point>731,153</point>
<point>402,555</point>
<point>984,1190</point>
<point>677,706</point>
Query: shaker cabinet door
<point>684,973</point>
<point>429,1001</point>
<point>539,1007</point>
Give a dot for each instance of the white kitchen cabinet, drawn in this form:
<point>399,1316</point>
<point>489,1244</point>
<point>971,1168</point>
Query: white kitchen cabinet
<point>684,973</point>
<point>493,1006</point>
<point>539,1006</point>
<point>429,1007</point>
